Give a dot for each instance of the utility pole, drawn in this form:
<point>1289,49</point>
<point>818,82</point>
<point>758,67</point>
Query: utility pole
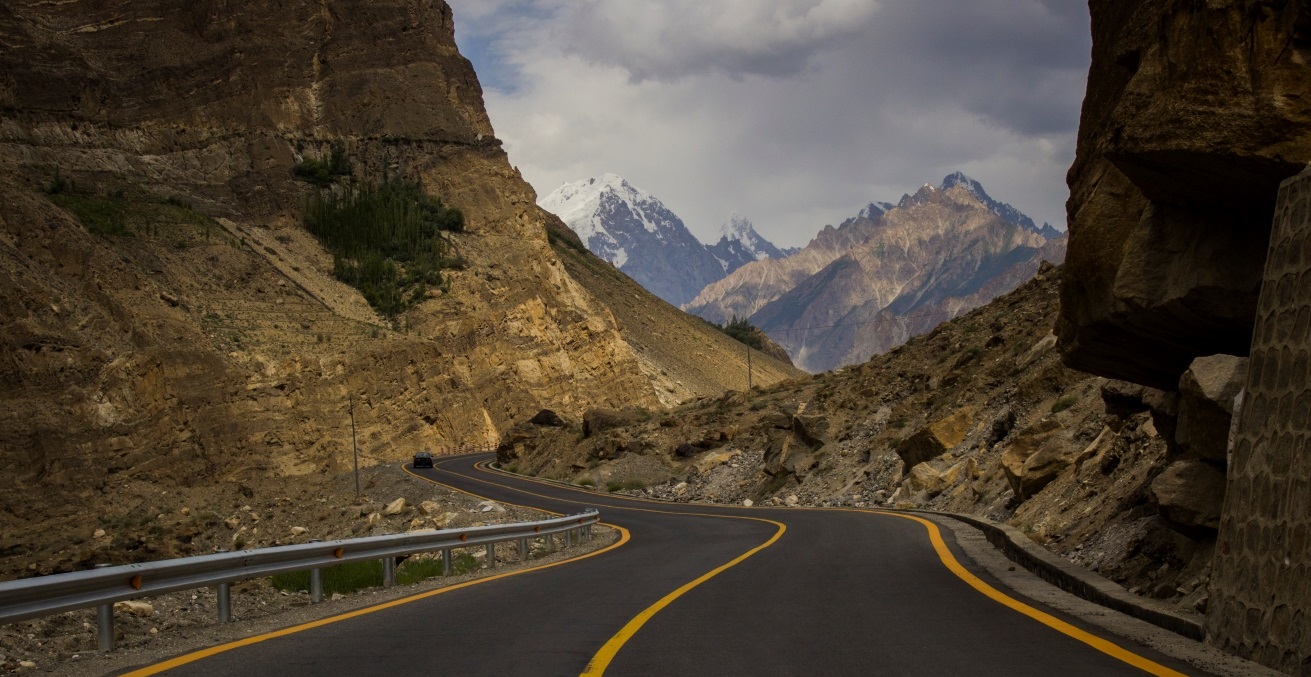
<point>355,450</point>
<point>748,368</point>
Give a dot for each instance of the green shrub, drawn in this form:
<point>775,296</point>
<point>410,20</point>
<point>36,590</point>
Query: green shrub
<point>1064,403</point>
<point>386,240</point>
<point>323,172</point>
<point>586,482</point>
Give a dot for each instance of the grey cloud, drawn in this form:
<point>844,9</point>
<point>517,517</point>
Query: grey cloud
<point>678,38</point>
<point>990,87</point>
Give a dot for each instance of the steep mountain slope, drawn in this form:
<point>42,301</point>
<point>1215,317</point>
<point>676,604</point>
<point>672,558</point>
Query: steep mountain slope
<point>890,273</point>
<point>636,232</point>
<point>168,321</point>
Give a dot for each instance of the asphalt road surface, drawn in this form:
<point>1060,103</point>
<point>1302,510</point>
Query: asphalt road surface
<point>708,590</point>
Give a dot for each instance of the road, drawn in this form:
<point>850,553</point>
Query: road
<point>707,590</point>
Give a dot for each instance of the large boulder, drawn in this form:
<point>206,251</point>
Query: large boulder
<point>1206,405</point>
<point>1036,456</point>
<point>1189,495</point>
<point>934,439</point>
<point>1194,114</point>
<point>926,478</point>
<point>812,429</point>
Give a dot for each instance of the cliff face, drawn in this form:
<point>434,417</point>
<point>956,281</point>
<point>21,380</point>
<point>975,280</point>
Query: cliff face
<point>1194,114</point>
<point>206,340</point>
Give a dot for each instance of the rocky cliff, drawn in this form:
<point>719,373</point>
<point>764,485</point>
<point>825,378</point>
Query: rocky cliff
<point>1193,116</point>
<point>169,323</point>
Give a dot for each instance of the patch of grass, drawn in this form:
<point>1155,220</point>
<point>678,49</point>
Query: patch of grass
<point>355,576</point>
<point>342,578</point>
<point>1064,403</point>
<point>628,485</point>
<point>99,215</point>
<point>586,482</point>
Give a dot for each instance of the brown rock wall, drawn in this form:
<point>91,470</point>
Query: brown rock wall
<point>1193,115</point>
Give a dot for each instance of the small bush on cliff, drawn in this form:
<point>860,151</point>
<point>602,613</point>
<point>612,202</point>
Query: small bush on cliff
<point>741,330</point>
<point>324,172</point>
<point>387,240</point>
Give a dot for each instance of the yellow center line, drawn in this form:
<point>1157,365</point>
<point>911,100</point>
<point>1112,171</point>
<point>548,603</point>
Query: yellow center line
<point>955,567</point>
<point>603,657</point>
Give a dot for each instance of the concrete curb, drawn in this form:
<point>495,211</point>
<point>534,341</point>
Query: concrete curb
<point>1075,579</point>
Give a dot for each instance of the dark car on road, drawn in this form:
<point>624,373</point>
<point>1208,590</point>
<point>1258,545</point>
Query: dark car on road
<point>423,459</point>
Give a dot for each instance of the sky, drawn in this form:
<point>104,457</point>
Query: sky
<point>793,113</point>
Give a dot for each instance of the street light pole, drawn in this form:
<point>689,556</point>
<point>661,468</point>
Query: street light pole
<point>355,450</point>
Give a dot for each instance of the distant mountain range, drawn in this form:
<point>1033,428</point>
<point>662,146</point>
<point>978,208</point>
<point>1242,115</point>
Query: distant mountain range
<point>636,232</point>
<point>889,273</point>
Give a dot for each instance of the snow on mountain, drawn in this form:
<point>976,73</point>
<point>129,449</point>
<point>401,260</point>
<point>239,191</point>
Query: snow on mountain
<point>740,244</point>
<point>1007,213</point>
<point>636,232</point>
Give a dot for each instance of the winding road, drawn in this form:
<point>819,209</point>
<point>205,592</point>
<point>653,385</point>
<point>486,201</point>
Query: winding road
<point>704,590</point>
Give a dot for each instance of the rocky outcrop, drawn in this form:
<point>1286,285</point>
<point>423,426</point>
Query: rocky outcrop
<point>1206,406</point>
<point>1194,114</point>
<point>935,439</point>
<point>1189,495</point>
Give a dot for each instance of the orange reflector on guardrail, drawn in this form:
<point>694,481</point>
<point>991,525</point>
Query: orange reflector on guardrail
<point>338,552</point>
<point>464,537</point>
<point>537,530</point>
<point>135,582</point>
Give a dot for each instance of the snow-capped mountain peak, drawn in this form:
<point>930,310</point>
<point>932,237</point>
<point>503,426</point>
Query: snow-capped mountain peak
<point>1005,211</point>
<point>875,209</point>
<point>739,243</point>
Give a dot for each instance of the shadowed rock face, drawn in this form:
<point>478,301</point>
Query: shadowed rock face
<point>333,67</point>
<point>1194,114</point>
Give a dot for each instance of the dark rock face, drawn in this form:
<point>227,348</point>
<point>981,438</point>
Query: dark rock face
<point>1194,114</point>
<point>548,418</point>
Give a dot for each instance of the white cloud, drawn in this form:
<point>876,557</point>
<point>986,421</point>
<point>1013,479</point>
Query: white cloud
<point>795,113</point>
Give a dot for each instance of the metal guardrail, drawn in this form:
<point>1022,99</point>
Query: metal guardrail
<point>101,587</point>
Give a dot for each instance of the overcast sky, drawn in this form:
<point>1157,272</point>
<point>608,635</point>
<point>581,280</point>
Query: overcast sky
<point>794,113</point>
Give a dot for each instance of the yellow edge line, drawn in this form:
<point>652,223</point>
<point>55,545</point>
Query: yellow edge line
<point>157,668</point>
<point>1105,646</point>
<point>948,560</point>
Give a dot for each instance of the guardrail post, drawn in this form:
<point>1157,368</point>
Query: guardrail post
<point>446,561</point>
<point>388,572</point>
<point>105,627</point>
<point>225,602</point>
<point>491,555</point>
<point>316,586</point>
<point>523,550</point>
